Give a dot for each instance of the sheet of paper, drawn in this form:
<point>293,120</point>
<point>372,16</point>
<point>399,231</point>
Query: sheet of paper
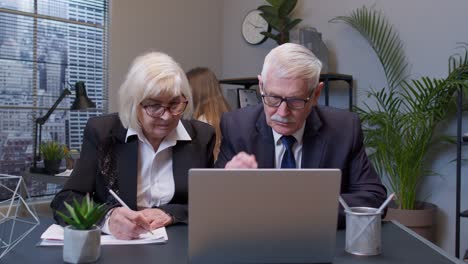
<point>53,236</point>
<point>66,172</point>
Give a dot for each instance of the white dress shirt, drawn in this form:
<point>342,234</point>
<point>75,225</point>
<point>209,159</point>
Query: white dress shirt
<point>280,149</point>
<point>155,179</point>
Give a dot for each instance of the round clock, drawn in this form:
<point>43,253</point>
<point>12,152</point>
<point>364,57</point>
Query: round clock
<point>252,26</point>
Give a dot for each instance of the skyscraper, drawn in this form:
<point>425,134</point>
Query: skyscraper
<point>87,60</point>
<point>39,58</point>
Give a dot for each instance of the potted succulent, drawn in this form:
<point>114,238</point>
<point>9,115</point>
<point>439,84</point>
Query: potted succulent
<point>53,152</point>
<point>82,238</point>
<point>277,14</point>
<point>401,124</point>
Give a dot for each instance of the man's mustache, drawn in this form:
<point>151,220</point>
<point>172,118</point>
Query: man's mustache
<point>281,119</point>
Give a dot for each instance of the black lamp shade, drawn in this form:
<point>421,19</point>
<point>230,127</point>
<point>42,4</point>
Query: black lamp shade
<point>81,98</point>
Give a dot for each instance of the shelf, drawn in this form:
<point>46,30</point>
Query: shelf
<point>324,77</point>
<point>464,214</point>
<point>249,81</point>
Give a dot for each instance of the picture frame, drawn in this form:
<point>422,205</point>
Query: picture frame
<point>247,97</point>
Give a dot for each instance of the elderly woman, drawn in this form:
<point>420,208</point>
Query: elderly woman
<point>143,153</point>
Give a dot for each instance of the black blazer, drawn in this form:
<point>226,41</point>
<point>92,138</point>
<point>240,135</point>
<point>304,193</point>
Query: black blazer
<point>106,160</point>
<point>332,139</point>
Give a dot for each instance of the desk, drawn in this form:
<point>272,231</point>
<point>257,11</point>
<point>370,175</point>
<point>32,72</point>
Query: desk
<point>398,245</point>
<point>326,78</point>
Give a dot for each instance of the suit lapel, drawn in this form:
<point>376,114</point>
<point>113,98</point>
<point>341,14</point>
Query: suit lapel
<point>313,143</point>
<point>182,154</point>
<point>178,158</point>
<point>263,144</point>
<point>127,161</point>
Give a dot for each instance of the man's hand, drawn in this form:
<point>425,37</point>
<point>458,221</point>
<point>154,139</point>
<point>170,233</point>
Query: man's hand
<point>157,217</point>
<point>127,224</point>
<point>242,161</point>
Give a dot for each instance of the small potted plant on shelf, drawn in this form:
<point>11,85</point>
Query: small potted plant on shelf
<point>82,238</point>
<point>53,152</point>
<point>277,14</point>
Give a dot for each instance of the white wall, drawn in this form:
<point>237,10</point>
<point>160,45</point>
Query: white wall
<point>239,58</point>
<point>430,30</point>
<point>189,31</point>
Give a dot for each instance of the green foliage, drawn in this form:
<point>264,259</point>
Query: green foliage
<point>277,16</point>
<point>83,216</point>
<point>385,41</point>
<point>399,129</point>
<point>52,150</point>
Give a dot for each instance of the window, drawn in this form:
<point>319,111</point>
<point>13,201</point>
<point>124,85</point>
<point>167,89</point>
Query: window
<point>45,47</point>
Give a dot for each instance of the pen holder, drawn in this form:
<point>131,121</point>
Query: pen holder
<point>363,231</point>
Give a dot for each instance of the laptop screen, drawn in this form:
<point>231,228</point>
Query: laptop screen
<point>263,215</point>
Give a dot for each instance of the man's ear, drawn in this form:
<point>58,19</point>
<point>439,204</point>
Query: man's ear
<point>316,93</point>
<point>260,82</point>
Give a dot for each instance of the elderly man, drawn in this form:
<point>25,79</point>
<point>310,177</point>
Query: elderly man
<point>289,130</point>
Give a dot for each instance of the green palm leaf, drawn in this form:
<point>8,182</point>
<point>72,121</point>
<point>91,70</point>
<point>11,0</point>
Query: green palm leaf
<point>385,41</point>
<point>400,127</point>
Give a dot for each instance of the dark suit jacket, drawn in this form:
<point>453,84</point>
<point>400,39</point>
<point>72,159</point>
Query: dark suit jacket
<point>332,139</point>
<point>107,161</point>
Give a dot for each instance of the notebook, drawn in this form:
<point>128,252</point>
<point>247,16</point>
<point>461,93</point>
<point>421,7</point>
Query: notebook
<point>263,215</point>
<point>54,235</point>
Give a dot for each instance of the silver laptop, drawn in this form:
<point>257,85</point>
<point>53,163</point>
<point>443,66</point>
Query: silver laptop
<point>263,215</point>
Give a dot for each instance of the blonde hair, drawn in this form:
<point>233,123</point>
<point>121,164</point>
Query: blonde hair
<point>150,75</point>
<point>293,61</point>
<point>208,99</point>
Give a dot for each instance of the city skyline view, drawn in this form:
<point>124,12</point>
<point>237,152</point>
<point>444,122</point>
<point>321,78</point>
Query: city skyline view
<point>43,52</point>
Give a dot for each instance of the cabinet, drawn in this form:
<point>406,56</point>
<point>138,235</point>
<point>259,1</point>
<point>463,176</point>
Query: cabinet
<point>461,140</point>
<point>326,78</point>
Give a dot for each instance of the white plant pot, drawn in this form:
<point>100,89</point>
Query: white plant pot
<point>81,246</point>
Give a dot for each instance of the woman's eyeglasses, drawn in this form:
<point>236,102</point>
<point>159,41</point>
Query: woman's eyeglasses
<point>158,110</point>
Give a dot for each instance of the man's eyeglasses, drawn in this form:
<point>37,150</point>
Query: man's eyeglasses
<point>158,110</point>
<point>291,102</point>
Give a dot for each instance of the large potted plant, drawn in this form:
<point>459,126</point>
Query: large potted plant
<point>401,124</point>
<point>53,152</point>
<point>82,238</point>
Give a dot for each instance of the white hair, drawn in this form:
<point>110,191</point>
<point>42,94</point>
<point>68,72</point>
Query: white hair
<point>150,75</point>
<point>292,61</point>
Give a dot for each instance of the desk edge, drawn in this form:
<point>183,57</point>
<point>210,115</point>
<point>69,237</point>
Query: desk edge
<point>428,243</point>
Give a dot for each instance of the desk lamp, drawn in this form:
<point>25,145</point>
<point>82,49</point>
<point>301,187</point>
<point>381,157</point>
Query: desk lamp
<point>81,102</point>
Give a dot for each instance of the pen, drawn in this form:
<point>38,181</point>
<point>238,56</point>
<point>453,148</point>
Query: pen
<point>122,202</point>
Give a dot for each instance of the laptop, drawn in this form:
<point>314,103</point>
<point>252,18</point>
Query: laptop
<point>263,215</point>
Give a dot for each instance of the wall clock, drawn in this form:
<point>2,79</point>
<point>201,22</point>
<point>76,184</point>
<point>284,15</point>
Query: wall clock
<point>252,25</point>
